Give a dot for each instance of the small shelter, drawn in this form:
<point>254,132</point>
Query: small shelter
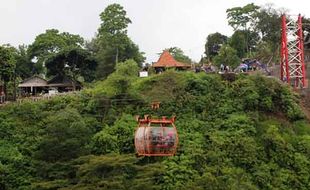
<point>64,84</point>
<point>166,60</point>
<point>37,85</point>
<point>33,85</point>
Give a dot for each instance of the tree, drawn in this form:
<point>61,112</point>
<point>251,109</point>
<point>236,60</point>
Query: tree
<point>114,20</point>
<point>112,44</point>
<point>15,65</point>
<point>238,42</point>
<point>306,29</point>
<point>122,130</point>
<point>265,52</point>
<point>72,62</point>
<point>120,81</point>
<point>103,143</point>
<point>242,17</point>
<point>179,55</point>
<point>50,43</point>
<point>214,43</point>
<point>7,64</point>
<point>244,41</point>
<point>269,26</point>
<point>24,66</point>
<point>227,56</point>
<point>66,136</point>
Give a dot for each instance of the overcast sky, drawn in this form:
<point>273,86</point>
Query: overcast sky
<point>156,24</point>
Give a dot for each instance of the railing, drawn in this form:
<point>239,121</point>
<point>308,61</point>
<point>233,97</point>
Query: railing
<point>44,97</point>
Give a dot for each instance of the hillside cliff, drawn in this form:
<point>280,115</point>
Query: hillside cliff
<point>235,131</point>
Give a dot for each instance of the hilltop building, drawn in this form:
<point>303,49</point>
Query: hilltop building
<point>33,85</point>
<point>37,85</point>
<point>166,61</point>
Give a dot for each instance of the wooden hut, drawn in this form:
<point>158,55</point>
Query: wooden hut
<point>36,85</point>
<point>33,86</point>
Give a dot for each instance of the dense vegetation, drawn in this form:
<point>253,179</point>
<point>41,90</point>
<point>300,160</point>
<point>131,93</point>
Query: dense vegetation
<point>236,132</point>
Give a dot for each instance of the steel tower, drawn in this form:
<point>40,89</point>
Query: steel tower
<point>293,69</point>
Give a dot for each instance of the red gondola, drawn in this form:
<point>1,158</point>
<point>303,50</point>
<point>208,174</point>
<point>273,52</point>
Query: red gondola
<point>156,137</point>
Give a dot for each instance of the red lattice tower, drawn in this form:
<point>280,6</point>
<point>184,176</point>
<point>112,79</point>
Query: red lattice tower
<point>292,53</point>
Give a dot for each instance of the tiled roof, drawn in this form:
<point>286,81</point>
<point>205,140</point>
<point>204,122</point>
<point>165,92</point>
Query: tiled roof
<point>167,60</point>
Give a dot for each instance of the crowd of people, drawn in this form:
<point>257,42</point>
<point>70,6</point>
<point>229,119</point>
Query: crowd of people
<point>245,66</point>
<point>208,68</point>
<point>224,68</point>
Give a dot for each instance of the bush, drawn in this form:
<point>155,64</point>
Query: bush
<point>103,143</point>
<point>65,137</point>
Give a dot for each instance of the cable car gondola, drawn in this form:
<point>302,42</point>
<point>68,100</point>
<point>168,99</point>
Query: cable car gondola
<point>156,137</point>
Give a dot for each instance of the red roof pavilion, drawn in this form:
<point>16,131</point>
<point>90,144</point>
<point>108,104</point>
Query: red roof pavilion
<point>167,60</point>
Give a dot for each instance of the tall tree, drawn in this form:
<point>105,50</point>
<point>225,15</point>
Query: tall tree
<point>179,55</point>
<point>269,26</point>
<point>112,44</point>
<point>114,20</point>
<point>24,66</point>
<point>242,17</point>
<point>244,41</point>
<point>50,43</point>
<point>306,29</point>
<point>73,62</point>
<point>238,42</point>
<point>65,137</point>
<point>265,52</point>
<point>7,64</point>
<point>214,43</point>
<point>228,56</point>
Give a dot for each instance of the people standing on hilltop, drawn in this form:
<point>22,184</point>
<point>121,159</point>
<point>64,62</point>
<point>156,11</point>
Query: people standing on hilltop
<point>227,69</point>
<point>222,67</point>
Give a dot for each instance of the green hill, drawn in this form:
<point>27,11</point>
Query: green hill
<point>235,131</point>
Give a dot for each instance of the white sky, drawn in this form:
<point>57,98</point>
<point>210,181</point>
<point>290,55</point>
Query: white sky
<point>156,24</point>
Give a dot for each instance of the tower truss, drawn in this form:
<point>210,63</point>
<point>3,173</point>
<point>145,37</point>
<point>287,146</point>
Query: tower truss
<point>293,69</point>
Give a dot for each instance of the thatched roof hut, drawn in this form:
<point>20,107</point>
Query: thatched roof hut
<point>34,81</point>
